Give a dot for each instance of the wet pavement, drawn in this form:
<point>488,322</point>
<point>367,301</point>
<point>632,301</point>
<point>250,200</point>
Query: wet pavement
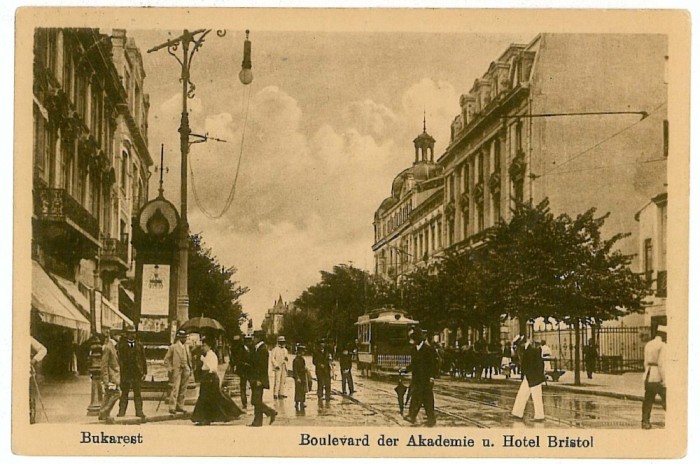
<point>463,403</point>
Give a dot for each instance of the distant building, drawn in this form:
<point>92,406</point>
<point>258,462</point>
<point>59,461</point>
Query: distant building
<point>273,324</point>
<point>408,225</point>
<point>542,121</point>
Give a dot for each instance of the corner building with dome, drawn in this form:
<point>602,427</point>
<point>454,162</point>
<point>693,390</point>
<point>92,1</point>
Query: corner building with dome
<point>580,119</point>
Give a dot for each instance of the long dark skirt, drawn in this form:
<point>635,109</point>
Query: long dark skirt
<point>212,405</point>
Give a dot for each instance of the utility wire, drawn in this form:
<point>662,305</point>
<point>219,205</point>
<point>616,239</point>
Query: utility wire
<point>232,192</point>
<point>592,147</point>
<point>655,160</point>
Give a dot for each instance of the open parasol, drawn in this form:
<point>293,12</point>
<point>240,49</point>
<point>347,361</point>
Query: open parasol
<point>198,323</point>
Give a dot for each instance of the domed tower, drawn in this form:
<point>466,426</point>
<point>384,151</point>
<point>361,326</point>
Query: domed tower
<point>424,143</point>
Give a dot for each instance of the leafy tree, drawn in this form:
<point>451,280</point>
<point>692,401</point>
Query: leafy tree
<point>212,290</point>
<point>562,268</point>
<point>300,327</point>
<point>334,304</point>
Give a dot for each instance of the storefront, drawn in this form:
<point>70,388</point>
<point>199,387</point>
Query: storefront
<point>57,323</point>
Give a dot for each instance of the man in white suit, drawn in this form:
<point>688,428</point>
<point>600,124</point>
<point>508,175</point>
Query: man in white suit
<point>279,357</point>
<point>178,361</point>
<point>654,374</point>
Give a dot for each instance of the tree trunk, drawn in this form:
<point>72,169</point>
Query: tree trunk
<point>577,355</point>
<point>522,326</point>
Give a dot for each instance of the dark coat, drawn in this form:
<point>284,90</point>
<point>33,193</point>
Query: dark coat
<point>533,366</point>
<point>259,361</point>
<point>424,364</point>
<point>132,360</point>
<point>322,360</point>
<point>345,361</point>
<point>243,361</point>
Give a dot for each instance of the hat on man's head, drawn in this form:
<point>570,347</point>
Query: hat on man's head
<point>131,329</point>
<point>281,339</point>
<point>236,337</point>
<point>662,329</point>
<point>181,333</point>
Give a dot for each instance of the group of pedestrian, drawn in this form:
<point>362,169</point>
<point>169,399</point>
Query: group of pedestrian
<point>123,368</point>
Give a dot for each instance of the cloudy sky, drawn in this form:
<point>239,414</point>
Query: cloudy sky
<point>330,122</point>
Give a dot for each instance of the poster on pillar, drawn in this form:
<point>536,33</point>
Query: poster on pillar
<point>155,290</point>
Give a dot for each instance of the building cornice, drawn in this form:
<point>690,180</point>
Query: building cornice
<point>491,113</point>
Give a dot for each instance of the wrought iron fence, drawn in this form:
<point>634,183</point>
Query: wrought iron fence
<point>620,349</point>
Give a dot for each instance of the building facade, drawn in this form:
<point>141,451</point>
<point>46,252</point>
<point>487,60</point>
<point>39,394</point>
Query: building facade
<point>576,118</point>
<point>90,172</point>
<point>408,225</point>
<point>273,324</point>
<point>653,225</point>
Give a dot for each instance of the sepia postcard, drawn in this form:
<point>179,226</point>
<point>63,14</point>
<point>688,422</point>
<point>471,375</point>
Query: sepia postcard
<point>351,232</point>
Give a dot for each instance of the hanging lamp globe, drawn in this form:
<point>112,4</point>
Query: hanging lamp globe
<point>246,74</point>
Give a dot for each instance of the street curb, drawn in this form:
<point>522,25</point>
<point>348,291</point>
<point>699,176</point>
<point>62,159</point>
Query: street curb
<point>622,396</point>
<point>139,421</point>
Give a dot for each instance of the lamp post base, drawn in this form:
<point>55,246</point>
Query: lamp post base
<point>95,397</point>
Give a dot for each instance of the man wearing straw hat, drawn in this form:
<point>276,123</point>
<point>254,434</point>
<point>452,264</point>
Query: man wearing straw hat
<point>178,362</point>
<point>654,375</point>
<point>279,357</point>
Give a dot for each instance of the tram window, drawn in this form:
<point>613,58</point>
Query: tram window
<point>392,334</point>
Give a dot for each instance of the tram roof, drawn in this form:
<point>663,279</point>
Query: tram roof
<point>386,317</point>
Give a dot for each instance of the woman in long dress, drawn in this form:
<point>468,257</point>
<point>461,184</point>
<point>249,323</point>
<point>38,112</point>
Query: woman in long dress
<point>212,405</point>
<point>299,372</point>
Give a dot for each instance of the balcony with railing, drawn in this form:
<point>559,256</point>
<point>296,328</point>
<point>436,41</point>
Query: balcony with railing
<point>115,252</point>
<point>55,208</point>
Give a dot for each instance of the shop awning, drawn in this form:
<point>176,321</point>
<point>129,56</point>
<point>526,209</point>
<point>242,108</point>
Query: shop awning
<point>52,304</point>
<point>111,316</point>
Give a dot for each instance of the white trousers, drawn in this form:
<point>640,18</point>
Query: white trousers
<point>523,395</point>
<point>280,379</point>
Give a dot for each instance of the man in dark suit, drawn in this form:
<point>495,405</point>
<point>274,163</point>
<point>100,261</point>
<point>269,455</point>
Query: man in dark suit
<point>260,380</point>
<point>242,360</point>
<point>533,378</point>
<point>424,366</point>
<point>132,363</point>
<point>322,360</point>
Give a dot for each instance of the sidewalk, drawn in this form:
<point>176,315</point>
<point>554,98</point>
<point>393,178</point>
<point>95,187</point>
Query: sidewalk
<point>625,386</point>
<point>67,400</point>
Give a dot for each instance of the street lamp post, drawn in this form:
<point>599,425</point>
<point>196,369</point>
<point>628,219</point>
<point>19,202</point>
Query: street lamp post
<point>190,43</point>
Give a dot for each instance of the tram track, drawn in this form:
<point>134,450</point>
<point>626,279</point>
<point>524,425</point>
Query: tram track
<point>493,400</point>
<point>615,419</point>
<point>437,409</point>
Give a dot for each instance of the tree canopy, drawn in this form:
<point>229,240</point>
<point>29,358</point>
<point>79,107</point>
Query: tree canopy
<point>212,289</point>
<point>335,303</point>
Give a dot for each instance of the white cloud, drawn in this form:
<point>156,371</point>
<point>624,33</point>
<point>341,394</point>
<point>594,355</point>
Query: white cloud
<point>304,201</point>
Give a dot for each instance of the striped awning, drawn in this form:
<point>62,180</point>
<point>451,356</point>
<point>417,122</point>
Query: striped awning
<point>52,304</point>
<point>111,316</point>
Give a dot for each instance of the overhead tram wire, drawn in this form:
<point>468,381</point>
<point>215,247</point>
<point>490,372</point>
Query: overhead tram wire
<point>596,145</point>
<point>232,192</point>
<point>557,173</point>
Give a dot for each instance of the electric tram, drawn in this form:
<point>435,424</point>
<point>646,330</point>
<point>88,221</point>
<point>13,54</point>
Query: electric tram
<point>383,344</point>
